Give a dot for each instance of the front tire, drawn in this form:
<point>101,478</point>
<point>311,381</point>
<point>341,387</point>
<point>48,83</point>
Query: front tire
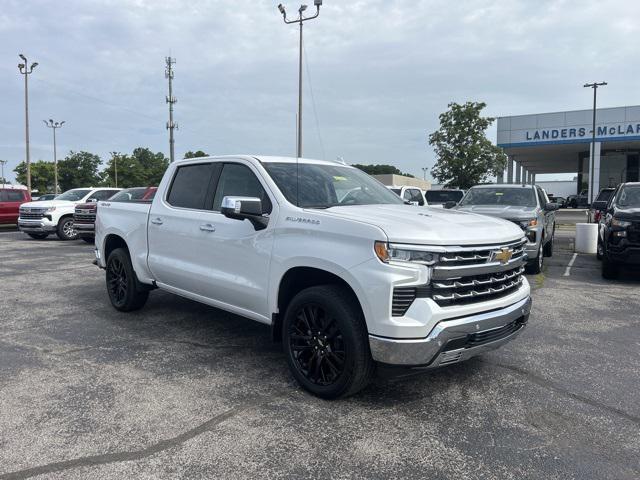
<point>609,268</point>
<point>326,342</point>
<point>38,236</point>
<point>65,229</point>
<point>535,267</point>
<point>122,284</point>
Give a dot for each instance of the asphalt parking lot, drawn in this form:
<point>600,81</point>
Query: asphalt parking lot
<point>182,390</point>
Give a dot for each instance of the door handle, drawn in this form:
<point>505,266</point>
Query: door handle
<point>207,227</point>
<point>156,221</point>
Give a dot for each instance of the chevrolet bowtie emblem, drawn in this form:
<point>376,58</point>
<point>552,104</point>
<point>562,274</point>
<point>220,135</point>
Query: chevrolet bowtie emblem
<point>503,255</point>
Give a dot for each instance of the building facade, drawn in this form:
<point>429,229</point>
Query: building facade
<point>560,142</point>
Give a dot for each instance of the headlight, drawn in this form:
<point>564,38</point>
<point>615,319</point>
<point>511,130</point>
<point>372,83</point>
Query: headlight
<point>529,223</point>
<point>619,223</point>
<point>50,209</point>
<point>388,254</point>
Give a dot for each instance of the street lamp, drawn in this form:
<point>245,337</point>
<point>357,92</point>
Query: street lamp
<point>54,126</point>
<point>300,20</point>
<point>2,162</point>
<point>595,86</point>
<point>22,67</point>
<point>424,173</point>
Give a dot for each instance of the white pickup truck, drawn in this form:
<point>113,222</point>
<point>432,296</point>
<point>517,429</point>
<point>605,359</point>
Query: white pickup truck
<point>344,271</point>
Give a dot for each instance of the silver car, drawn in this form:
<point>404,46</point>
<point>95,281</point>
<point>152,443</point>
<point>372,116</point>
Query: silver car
<point>526,205</point>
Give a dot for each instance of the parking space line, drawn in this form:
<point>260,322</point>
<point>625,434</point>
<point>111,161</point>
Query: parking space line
<point>567,271</point>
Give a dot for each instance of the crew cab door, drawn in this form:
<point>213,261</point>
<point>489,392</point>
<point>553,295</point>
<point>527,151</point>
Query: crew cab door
<point>180,238</point>
<point>240,254</point>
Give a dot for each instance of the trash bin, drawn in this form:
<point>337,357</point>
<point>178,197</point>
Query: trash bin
<point>586,237</point>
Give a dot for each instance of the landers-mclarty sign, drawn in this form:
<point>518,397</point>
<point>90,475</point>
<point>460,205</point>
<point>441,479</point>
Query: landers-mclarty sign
<point>582,132</point>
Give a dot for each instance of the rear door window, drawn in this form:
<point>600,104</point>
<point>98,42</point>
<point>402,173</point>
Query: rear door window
<point>11,196</point>
<point>190,186</point>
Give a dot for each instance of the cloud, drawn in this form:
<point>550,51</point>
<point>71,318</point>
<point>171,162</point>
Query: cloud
<point>381,72</point>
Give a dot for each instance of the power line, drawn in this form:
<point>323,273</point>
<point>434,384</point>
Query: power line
<point>313,101</point>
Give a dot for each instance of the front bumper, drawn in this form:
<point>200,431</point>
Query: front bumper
<point>455,340</point>
<point>36,226</point>
<point>84,229</point>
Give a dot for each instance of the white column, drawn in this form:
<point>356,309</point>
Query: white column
<point>510,170</point>
<point>518,172</point>
<point>533,179</point>
<point>596,171</point>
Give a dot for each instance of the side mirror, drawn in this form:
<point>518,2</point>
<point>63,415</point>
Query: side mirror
<point>599,205</point>
<point>551,207</point>
<point>245,208</point>
<point>450,204</point>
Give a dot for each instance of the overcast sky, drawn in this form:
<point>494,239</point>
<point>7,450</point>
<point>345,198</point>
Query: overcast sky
<point>381,72</point>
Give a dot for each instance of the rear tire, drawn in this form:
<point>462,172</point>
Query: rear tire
<point>125,292</point>
<point>38,236</point>
<point>326,342</point>
<point>65,229</point>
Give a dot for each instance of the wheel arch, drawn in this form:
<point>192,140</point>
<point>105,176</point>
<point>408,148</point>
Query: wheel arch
<point>298,278</point>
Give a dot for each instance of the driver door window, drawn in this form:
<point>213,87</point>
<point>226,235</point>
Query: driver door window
<point>239,181</point>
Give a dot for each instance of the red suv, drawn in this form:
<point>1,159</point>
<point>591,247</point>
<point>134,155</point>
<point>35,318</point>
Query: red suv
<point>11,197</point>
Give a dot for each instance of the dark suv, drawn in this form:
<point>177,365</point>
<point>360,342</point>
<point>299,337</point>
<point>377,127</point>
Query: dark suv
<point>619,229</point>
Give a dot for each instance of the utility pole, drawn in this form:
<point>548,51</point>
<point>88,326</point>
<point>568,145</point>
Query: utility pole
<point>300,20</point>
<point>171,125</point>
<point>26,71</point>
<point>595,86</point>
<point>54,126</point>
<point>3,162</point>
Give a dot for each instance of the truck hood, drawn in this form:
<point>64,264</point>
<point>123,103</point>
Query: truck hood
<point>501,211</point>
<point>627,213</point>
<point>430,226</point>
<point>49,203</point>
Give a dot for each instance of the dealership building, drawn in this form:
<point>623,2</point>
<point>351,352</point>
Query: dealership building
<point>560,142</point>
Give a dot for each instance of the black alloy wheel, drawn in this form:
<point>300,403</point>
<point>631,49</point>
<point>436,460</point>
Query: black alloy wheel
<point>326,342</point>
<point>125,292</point>
<point>317,345</point>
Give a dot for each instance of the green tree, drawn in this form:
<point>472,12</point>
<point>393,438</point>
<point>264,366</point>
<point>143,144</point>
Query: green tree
<point>381,170</point>
<point>464,155</point>
<point>42,175</point>
<point>140,169</point>
<point>78,169</point>
<point>196,154</point>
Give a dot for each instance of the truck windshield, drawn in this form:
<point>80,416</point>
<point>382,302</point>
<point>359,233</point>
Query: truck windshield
<point>73,195</point>
<point>324,186</point>
<point>443,196</point>
<point>516,197</point>
<point>605,195</point>
<point>629,197</point>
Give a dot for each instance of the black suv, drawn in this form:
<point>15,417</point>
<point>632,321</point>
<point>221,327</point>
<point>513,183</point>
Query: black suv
<point>619,229</point>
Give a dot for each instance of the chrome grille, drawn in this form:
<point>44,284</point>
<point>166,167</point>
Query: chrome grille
<point>31,215</point>
<point>467,275</point>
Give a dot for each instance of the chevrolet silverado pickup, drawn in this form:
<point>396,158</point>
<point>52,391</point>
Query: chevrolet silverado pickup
<point>346,274</point>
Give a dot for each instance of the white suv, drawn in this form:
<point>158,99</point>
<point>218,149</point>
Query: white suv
<point>39,219</point>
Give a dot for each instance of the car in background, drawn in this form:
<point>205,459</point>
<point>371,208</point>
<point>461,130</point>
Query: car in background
<point>410,194</point>
<point>39,219</point>
<point>525,205</point>
<point>84,215</point>
<point>578,201</point>
<point>11,197</point>
<point>597,208</point>
<point>619,229</point>
<point>560,201</point>
<point>45,197</point>
<point>446,197</point>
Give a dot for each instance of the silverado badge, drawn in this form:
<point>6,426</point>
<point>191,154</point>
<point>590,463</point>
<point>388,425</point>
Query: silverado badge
<point>503,255</point>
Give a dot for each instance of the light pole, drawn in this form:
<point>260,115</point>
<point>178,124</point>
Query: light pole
<point>300,20</point>
<point>424,173</point>
<point>2,162</point>
<point>54,126</point>
<point>26,71</point>
<point>595,86</point>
